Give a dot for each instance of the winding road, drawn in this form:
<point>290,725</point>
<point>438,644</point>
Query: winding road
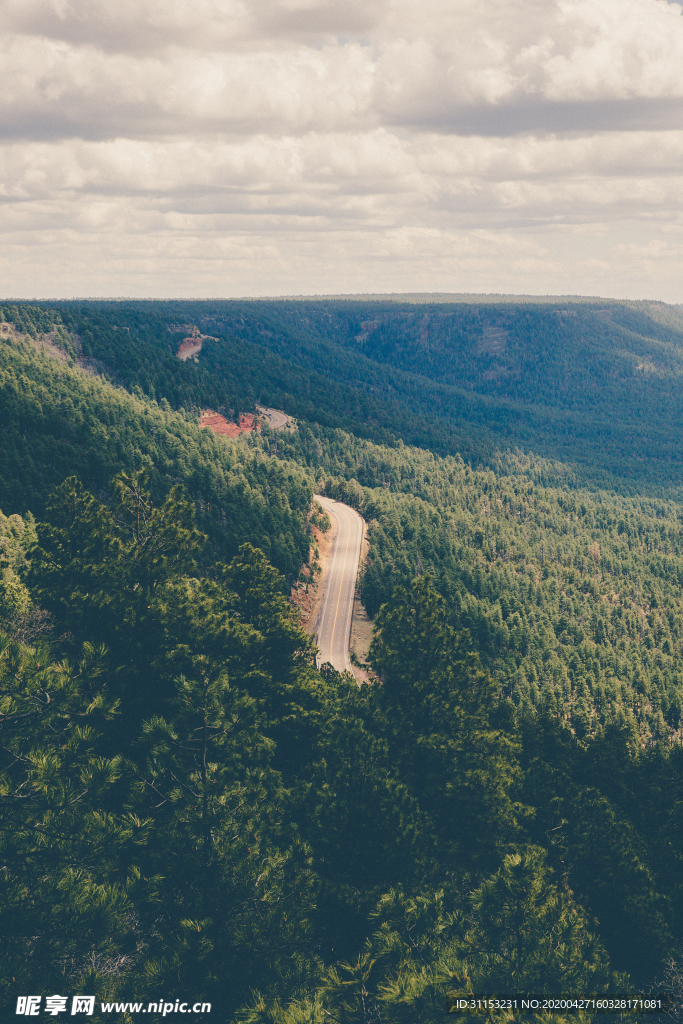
<point>339,586</point>
<point>278,420</point>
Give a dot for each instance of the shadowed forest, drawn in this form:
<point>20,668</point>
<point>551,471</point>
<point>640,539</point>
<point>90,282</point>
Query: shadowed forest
<point>189,808</point>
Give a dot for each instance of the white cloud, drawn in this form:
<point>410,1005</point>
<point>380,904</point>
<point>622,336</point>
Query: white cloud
<point>311,144</point>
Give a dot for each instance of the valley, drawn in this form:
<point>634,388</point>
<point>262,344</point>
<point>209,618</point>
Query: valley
<point>217,787</point>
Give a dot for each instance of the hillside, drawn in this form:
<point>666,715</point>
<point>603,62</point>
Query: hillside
<point>571,598</point>
<point>594,384</point>
<point>58,420</point>
<point>189,806</point>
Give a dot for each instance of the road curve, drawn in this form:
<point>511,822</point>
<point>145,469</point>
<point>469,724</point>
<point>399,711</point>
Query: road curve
<point>192,350</point>
<point>339,586</point>
<point>277,420</point>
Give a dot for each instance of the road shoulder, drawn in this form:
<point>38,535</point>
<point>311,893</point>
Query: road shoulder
<point>310,604</point>
<point>361,623</point>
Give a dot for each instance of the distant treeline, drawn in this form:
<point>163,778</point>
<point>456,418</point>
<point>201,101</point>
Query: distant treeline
<point>596,383</point>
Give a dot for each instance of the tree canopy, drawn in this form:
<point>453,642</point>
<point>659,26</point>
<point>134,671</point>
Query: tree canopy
<point>188,806</point>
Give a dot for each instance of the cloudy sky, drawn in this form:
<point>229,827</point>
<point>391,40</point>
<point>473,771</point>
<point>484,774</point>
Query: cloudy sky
<point>267,147</point>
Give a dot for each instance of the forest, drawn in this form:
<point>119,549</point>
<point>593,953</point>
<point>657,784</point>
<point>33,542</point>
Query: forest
<point>593,384</point>
<point>189,809</point>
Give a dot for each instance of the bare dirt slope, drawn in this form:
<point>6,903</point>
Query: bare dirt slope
<point>214,421</point>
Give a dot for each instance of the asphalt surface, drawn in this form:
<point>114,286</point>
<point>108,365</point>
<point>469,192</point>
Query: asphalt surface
<point>334,620</point>
<point>278,420</point>
<point>189,352</point>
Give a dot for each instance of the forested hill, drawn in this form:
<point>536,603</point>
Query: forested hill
<point>58,421</point>
<point>594,383</point>
<point>190,810</point>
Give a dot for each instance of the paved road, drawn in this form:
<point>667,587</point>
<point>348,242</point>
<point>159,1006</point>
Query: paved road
<point>193,350</point>
<point>334,620</point>
<point>277,419</point>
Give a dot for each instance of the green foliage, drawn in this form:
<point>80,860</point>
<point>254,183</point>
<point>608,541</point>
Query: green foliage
<point>58,422</point>
<point>607,861</point>
<point>449,731</point>
<point>16,537</point>
<point>180,765</point>
<point>472,378</point>
<point>592,383</point>
<point>187,805</point>
<point>530,935</point>
<point>237,887</point>
<point>31,320</point>
<point>520,931</point>
<point>70,880</point>
<point>572,598</point>
<point>320,518</point>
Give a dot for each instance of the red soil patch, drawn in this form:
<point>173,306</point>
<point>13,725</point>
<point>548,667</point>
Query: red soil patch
<point>220,425</point>
<point>305,593</point>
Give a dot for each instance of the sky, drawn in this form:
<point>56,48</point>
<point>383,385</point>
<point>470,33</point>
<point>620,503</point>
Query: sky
<point>205,148</point>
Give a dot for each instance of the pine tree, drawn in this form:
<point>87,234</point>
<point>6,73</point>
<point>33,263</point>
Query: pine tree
<point>237,888</point>
<point>450,735</point>
<point>72,890</point>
